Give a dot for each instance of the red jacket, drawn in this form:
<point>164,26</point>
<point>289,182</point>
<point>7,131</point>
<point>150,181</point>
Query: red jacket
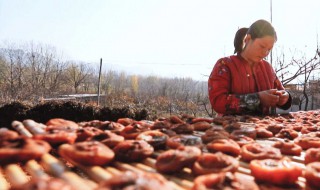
<point>232,76</point>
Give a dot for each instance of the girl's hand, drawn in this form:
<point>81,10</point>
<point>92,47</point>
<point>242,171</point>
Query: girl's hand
<point>283,97</point>
<point>269,97</point>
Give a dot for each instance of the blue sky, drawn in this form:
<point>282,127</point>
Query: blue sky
<point>170,38</point>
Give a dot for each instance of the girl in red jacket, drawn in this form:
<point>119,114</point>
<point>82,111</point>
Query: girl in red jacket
<point>245,83</point>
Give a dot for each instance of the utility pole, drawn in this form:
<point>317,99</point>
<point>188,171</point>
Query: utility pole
<point>271,22</point>
<point>99,82</point>
<point>273,109</point>
<point>271,11</point>
<point>313,86</point>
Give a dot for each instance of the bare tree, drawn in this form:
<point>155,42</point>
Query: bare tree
<point>77,73</point>
<point>120,83</point>
<point>107,86</point>
<point>299,70</point>
<point>312,66</point>
<point>289,71</point>
<point>40,62</point>
<point>134,85</point>
<point>14,72</point>
<point>55,78</point>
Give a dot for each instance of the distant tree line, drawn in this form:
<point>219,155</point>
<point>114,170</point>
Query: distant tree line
<point>33,72</point>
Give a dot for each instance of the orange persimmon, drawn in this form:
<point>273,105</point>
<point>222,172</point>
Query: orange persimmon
<point>277,172</point>
<point>312,174</point>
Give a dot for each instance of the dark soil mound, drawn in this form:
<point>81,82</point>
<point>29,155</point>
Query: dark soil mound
<point>71,110</point>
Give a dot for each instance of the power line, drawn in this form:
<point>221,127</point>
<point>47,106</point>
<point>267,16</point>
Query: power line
<point>155,63</point>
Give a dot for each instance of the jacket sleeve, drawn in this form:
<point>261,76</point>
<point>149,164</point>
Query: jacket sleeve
<point>220,94</point>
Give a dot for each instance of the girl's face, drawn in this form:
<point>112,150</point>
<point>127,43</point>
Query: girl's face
<point>259,48</point>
